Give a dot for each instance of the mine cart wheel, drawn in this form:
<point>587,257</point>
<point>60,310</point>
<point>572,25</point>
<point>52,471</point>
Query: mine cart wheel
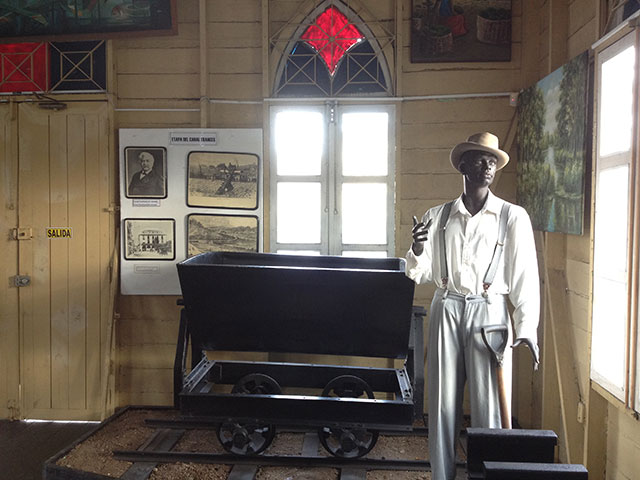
<point>347,386</point>
<point>347,442</point>
<point>242,439</point>
<point>341,441</point>
<point>257,383</point>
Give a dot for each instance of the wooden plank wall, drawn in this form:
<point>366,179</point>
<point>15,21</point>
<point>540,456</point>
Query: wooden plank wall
<point>9,321</point>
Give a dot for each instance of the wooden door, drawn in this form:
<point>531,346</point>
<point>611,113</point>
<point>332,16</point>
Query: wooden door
<point>9,320</point>
<point>65,180</point>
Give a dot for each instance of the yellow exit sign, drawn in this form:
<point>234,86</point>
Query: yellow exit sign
<point>59,232</point>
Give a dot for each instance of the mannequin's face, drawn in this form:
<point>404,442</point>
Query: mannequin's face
<point>479,168</point>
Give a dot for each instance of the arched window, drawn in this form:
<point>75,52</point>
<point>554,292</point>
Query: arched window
<point>332,53</point>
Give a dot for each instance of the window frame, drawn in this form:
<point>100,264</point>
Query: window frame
<point>630,393</point>
<point>331,180</point>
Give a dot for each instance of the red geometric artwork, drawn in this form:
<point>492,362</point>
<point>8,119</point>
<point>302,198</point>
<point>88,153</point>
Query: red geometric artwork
<point>24,67</point>
<point>332,36</point>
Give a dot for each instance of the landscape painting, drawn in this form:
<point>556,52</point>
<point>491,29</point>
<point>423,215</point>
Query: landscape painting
<point>552,137</point>
<point>221,233</point>
<point>222,180</point>
<point>461,31</point>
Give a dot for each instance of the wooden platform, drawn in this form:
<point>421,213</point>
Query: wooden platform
<point>26,446</point>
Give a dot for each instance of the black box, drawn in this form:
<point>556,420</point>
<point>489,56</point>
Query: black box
<point>505,445</point>
<point>533,471</point>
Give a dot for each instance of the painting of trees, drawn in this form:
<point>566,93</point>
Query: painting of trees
<point>552,128</point>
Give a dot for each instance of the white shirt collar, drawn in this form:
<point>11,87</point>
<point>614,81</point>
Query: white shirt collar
<point>493,204</point>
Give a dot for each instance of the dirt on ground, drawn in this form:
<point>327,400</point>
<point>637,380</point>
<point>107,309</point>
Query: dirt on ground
<point>128,431</point>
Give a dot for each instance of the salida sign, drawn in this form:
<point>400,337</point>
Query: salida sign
<point>59,232</point>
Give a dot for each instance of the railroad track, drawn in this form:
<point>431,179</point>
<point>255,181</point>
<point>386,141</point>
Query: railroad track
<point>158,449</point>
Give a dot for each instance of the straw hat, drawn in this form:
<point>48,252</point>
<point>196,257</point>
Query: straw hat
<point>485,142</point>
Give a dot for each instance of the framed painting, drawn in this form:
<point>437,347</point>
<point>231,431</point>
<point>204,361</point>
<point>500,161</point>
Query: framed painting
<point>553,144</point>
<point>460,31</point>
<point>222,180</point>
<point>26,20</point>
<point>146,172</point>
<point>221,233</point>
<point>149,238</point>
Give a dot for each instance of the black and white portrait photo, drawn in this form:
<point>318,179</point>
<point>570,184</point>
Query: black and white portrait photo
<point>146,172</point>
<point>223,180</point>
<point>149,239</point>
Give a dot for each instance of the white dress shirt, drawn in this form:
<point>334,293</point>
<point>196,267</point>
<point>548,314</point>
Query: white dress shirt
<point>470,242</point>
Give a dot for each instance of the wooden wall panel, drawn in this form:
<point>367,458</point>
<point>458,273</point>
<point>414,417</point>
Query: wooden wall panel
<point>59,217</point>
<point>443,82</point>
<point>239,86</point>
<point>157,61</point>
<point>9,321</point>
<point>234,60</point>
<point>66,176</point>
<point>164,86</point>
<point>34,203</point>
<point>623,446</point>
<point>234,34</point>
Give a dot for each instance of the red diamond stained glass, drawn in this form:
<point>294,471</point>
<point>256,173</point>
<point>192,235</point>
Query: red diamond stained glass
<point>332,35</point>
<point>23,67</point>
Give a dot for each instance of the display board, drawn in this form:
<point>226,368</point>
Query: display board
<point>183,192</point>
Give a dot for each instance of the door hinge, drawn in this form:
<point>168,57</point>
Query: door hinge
<point>22,233</point>
<point>21,280</point>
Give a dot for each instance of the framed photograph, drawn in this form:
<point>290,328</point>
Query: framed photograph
<point>553,138</point>
<point>222,233</point>
<point>81,19</point>
<point>149,238</point>
<point>145,172</point>
<point>222,180</point>
<point>460,31</point>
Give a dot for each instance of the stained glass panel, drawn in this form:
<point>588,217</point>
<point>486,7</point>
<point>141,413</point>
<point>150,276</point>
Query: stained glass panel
<point>24,67</point>
<point>78,66</point>
<point>332,35</point>
<point>53,67</point>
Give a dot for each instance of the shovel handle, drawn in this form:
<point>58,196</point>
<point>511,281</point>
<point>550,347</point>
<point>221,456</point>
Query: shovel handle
<point>498,354</point>
<point>505,418</point>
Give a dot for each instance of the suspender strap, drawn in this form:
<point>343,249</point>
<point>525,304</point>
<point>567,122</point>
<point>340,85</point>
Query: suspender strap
<point>444,216</point>
<point>497,252</point>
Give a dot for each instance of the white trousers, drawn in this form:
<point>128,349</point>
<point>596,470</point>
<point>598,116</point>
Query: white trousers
<point>456,354</point>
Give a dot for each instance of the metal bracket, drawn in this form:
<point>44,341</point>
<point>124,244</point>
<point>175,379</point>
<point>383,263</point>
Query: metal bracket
<point>22,233</point>
<point>21,280</point>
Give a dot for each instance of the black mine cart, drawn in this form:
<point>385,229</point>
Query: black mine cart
<point>325,305</point>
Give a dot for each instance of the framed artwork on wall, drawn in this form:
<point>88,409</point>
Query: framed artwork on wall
<point>460,31</point>
<point>146,172</point>
<point>149,239</point>
<point>222,180</point>
<point>221,233</point>
<point>82,19</point>
<point>553,136</point>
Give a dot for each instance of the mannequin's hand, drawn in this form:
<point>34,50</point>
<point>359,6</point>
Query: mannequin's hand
<point>420,234</point>
<point>533,347</point>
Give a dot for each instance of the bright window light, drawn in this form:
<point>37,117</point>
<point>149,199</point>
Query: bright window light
<point>610,278</point>
<point>616,105</point>
<point>308,253</point>
<point>365,143</point>
<point>298,205</point>
<point>364,253</point>
<point>364,213</point>
<point>299,137</point>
